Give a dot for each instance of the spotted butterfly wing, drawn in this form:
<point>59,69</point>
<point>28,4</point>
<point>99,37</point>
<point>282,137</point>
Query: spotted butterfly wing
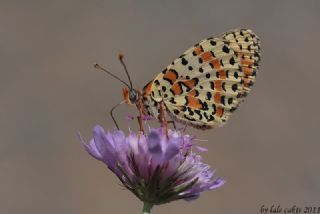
<point>207,82</point>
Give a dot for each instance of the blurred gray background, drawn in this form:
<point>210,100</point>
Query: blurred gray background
<point>268,152</point>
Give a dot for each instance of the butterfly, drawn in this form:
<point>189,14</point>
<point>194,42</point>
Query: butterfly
<point>204,86</point>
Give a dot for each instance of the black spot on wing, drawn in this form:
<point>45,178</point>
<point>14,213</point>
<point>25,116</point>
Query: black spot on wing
<point>221,62</point>
<point>189,118</point>
<point>225,49</point>
<point>214,108</point>
<point>224,86</point>
<point>254,73</point>
<point>213,43</point>
<point>184,61</point>
<point>199,114</point>
<point>190,112</point>
<point>208,117</point>
<point>222,100</point>
<point>232,61</point>
<point>212,85</point>
<point>234,87</point>
<point>157,82</point>
<point>209,95</point>
<point>197,93</point>
<point>172,100</point>
<point>176,111</point>
<point>183,108</point>
<point>233,109</point>
<point>205,106</point>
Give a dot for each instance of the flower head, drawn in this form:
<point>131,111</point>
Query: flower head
<point>156,167</point>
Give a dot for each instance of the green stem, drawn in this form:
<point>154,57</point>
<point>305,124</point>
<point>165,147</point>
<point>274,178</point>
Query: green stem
<point>147,208</point>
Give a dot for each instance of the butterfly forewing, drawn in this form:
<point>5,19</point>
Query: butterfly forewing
<point>209,81</point>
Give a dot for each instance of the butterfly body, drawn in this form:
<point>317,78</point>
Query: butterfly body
<point>206,83</point>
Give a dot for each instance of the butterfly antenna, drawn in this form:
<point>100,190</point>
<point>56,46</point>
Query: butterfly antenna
<point>121,56</point>
<point>97,66</point>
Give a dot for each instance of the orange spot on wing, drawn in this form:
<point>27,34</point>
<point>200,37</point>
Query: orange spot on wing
<point>170,75</point>
<point>216,64</point>
<point>247,62</point>
<point>148,88</point>
<point>219,111</point>
<point>176,89</point>
<point>247,71</point>
<point>190,83</point>
<point>197,50</point>
<point>222,74</point>
<point>192,93</point>
<point>206,56</point>
<point>194,102</point>
<point>217,97</point>
<point>218,85</point>
<point>246,82</point>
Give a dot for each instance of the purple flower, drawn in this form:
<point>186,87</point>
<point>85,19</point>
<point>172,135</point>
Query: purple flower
<point>157,168</point>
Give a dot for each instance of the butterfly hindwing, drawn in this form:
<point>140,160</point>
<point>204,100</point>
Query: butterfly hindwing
<point>209,81</point>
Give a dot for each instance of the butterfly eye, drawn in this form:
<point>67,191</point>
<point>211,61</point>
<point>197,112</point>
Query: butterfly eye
<point>133,96</point>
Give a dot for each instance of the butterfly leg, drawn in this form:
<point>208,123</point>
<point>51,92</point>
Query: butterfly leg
<point>163,117</point>
<point>139,118</point>
<point>173,124</point>
<point>111,113</point>
<point>140,106</point>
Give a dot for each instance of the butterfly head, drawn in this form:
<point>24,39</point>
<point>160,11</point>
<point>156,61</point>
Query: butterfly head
<point>131,96</point>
